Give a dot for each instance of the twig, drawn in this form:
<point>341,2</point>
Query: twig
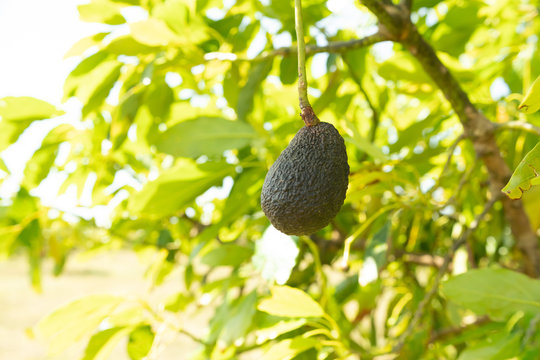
<point>445,333</point>
<point>332,47</point>
<point>375,117</point>
<point>442,271</point>
<point>423,259</point>
<point>518,125</point>
<point>451,151</point>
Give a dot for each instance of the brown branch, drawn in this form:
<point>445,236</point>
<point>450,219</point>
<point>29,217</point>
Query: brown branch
<point>424,259</point>
<point>332,47</point>
<point>396,25</point>
<point>442,271</point>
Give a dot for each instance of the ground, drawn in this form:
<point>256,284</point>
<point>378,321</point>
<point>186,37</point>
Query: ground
<point>113,272</point>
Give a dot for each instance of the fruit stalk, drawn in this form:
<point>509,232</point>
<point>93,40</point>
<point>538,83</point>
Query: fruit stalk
<point>308,115</point>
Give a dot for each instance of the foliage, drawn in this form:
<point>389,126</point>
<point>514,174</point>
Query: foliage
<point>183,110</point>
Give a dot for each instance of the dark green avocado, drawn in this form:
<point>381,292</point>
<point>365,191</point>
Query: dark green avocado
<point>305,188</point>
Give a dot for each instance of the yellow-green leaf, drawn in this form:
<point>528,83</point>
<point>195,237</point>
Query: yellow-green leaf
<point>526,174</point>
<point>101,11</point>
<point>531,102</point>
<point>154,32</point>
<point>68,324</point>
<point>290,302</point>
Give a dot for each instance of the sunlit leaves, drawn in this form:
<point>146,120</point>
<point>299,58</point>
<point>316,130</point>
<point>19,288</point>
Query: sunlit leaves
<point>102,343</point>
<point>480,291</point>
<point>209,136</point>
<point>175,188</point>
<point>70,323</point>
<point>525,175</point>
<point>257,75</point>
<point>101,11</point>
<point>290,302</point>
<point>17,113</point>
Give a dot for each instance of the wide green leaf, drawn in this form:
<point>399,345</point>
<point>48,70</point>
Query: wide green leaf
<point>531,101</point>
<point>288,349</point>
<point>70,323</point>
<point>290,302</point>
<point>480,291</point>
<point>209,136</point>
<point>227,255</point>
<point>175,188</point>
<point>154,32</point>
<point>526,174</point>
<point>498,347</point>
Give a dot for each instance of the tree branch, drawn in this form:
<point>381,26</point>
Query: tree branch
<point>445,333</point>
<point>332,47</point>
<point>476,126</point>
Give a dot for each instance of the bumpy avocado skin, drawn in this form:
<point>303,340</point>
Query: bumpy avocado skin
<point>306,186</point>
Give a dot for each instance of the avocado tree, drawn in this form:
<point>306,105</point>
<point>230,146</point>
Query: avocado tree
<point>185,105</point>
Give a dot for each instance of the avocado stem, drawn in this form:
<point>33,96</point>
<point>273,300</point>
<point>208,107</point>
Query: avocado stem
<point>309,117</point>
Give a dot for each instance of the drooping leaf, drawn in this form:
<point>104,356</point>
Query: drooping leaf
<point>531,102</point>
<point>70,323</point>
<point>103,343</point>
<point>227,255</point>
<point>127,45</point>
<point>140,342</point>
<point>101,11</point>
<point>239,318</point>
<point>209,136</point>
<point>526,174</point>
<point>175,188</point>
<point>289,348</point>
<point>256,76</point>
<point>290,302</point>
<point>480,291</point>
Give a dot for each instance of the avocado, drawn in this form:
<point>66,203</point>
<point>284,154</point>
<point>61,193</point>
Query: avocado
<point>306,186</point>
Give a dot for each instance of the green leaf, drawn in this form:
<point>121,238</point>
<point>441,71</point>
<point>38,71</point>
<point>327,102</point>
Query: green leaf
<point>366,146</point>
<point>498,347</point>
<point>288,349</point>
<point>256,76</point>
<point>175,188</point>
<point>227,255</point>
<point>209,136</point>
<point>290,302</point>
<point>288,70</point>
<point>531,102</point>
<point>480,291</point>
<point>140,342</point>
<point>275,255</point>
<point>70,323</point>
<point>103,343</point>
<point>526,174</point>
<point>101,11</point>
<point>24,109</point>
